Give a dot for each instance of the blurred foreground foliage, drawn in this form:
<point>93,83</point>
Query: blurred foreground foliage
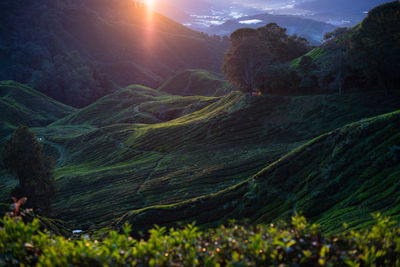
<point>296,244</point>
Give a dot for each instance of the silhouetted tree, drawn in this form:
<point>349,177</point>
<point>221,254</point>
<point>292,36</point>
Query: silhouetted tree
<point>244,62</point>
<point>22,157</point>
<point>250,62</point>
<point>283,46</point>
<point>376,46</point>
<point>278,79</point>
<point>307,70</point>
<point>337,43</point>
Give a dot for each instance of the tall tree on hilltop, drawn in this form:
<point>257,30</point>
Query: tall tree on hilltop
<point>284,47</point>
<point>22,157</point>
<point>249,63</point>
<point>244,62</point>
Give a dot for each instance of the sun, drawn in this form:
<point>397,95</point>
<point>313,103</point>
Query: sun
<point>150,3</point>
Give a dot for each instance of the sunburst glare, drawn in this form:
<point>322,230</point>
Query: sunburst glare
<point>150,3</point>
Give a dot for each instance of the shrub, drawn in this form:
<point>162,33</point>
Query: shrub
<point>299,243</point>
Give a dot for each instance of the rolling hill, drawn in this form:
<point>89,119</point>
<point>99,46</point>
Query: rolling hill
<point>195,82</point>
<point>135,104</point>
<point>341,176</point>
<point>20,104</point>
<point>109,167</point>
<point>184,152</point>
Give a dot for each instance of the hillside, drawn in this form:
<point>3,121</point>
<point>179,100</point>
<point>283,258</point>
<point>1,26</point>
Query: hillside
<point>108,170</point>
<point>195,82</point>
<point>20,104</point>
<point>144,130</point>
<point>135,104</point>
<point>83,50</point>
<point>341,176</point>
<point>364,57</point>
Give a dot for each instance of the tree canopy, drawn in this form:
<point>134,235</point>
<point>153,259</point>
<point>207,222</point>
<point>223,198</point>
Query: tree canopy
<point>245,61</point>
<point>249,63</point>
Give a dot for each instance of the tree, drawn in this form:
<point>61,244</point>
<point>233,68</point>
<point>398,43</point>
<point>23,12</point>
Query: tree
<point>376,46</point>
<point>307,70</point>
<point>278,79</point>
<point>338,44</point>
<point>22,157</point>
<point>244,62</point>
<point>284,47</point>
<point>250,62</point>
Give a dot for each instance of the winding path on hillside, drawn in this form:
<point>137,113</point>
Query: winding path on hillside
<point>62,151</point>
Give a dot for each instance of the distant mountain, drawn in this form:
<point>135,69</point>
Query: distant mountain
<point>307,28</point>
<point>205,12</point>
<point>77,51</point>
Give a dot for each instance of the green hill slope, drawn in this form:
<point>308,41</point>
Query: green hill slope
<point>20,104</point>
<point>342,176</point>
<point>195,82</point>
<point>115,168</point>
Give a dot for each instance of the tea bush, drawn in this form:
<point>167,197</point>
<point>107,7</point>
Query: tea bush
<point>296,244</point>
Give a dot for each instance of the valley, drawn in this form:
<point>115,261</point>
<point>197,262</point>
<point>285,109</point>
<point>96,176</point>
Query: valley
<point>140,157</point>
<point>129,139</point>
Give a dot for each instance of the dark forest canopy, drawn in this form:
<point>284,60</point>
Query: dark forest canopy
<point>77,51</point>
<point>366,57</point>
